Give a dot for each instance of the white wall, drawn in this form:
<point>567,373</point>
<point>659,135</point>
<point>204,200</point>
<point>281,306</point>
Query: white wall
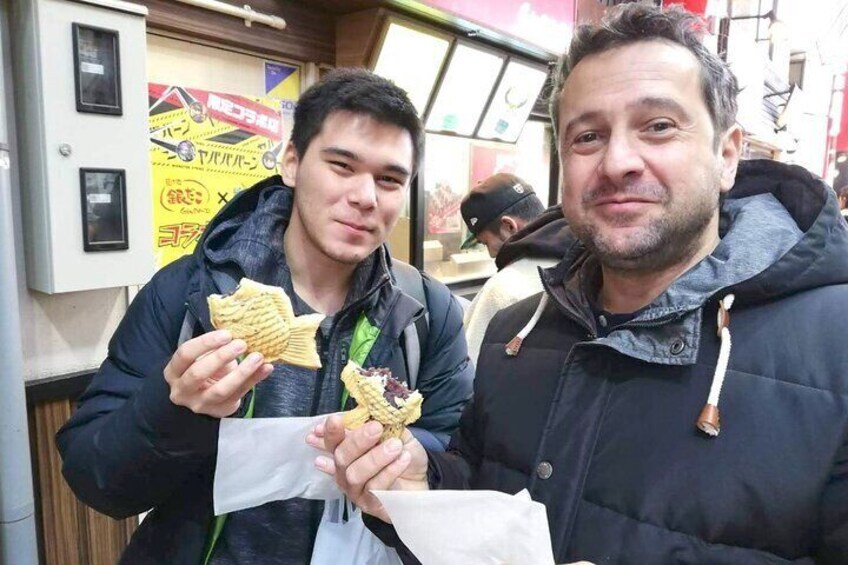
<point>172,61</point>
<point>66,333</point>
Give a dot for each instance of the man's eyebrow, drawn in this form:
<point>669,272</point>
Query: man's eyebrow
<point>645,103</point>
<point>341,153</point>
<point>584,117</point>
<point>338,151</point>
<point>659,103</point>
<point>398,169</point>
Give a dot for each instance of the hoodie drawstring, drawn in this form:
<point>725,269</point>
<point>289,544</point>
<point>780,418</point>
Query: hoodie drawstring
<point>708,420</point>
<point>514,346</point>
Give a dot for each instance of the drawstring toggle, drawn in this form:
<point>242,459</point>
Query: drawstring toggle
<point>708,420</point>
<point>514,346</point>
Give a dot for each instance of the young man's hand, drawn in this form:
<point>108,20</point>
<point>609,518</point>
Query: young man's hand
<point>205,378</point>
<point>360,464</point>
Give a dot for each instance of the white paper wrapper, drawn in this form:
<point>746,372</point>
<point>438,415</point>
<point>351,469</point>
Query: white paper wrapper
<point>265,459</point>
<point>470,527</point>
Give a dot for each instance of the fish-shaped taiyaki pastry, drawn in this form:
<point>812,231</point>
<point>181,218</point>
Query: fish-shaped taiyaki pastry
<point>263,316</point>
<point>380,397</point>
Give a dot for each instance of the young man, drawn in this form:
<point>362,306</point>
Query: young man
<point>608,410</point>
<point>145,434</point>
<point>504,213</point>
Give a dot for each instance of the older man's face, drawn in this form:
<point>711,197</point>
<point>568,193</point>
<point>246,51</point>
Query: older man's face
<point>641,173</point>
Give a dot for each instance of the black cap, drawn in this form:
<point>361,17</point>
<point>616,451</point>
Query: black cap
<point>488,200</point>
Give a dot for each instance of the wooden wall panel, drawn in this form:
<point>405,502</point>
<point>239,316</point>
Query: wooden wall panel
<point>356,36</point>
<point>308,37</point>
<point>69,531</point>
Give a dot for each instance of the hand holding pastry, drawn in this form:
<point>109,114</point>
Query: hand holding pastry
<point>370,445</point>
<point>361,464</point>
<point>204,377</point>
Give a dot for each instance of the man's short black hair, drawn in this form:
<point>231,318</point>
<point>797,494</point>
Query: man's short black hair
<point>361,92</point>
<point>527,209</point>
<point>632,23</point>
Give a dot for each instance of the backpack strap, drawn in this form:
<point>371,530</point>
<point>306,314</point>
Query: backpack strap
<point>411,282</point>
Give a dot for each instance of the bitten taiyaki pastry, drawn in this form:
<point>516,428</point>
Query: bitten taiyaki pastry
<point>380,397</point>
<point>263,317</point>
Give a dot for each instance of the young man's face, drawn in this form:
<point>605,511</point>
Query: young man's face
<point>641,172</point>
<point>349,186</point>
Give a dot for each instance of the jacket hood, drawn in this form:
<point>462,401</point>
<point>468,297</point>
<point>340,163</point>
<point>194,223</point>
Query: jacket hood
<point>781,233</point>
<point>819,257</point>
<point>546,237</point>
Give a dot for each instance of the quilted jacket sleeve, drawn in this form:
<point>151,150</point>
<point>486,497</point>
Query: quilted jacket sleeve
<point>834,516</point>
<point>127,447</point>
<point>446,375</point>
<point>454,468</point>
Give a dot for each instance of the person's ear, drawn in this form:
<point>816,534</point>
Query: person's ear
<point>509,225</point>
<point>290,163</point>
<point>730,152</point>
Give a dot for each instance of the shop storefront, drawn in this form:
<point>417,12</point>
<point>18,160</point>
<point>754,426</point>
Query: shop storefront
<point>211,98</point>
<point>478,87</point>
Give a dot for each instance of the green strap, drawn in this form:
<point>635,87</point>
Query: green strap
<point>364,336</point>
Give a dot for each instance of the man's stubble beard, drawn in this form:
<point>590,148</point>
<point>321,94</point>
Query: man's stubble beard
<point>662,243</point>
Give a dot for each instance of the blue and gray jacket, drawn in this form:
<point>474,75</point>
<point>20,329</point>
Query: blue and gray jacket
<point>128,449</point>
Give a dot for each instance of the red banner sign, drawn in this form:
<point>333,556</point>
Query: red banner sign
<point>545,23</point>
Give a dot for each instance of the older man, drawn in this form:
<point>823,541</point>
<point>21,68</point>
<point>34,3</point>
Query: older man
<point>605,405</point>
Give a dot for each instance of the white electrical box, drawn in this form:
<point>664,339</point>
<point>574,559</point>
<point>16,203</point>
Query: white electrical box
<point>81,99</point>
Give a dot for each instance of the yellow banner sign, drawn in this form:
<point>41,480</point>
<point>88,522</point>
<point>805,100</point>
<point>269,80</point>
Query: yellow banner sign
<point>204,148</point>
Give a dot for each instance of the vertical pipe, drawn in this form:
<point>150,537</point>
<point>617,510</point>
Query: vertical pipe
<point>17,520</point>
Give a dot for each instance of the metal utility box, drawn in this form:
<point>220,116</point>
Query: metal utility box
<point>81,100</point>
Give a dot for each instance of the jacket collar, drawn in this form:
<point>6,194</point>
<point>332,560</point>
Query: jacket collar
<point>781,233</point>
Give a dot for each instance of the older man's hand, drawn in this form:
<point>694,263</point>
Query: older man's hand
<point>361,464</point>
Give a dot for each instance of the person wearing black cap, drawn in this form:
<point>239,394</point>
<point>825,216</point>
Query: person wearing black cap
<point>504,213</point>
<point>495,209</point>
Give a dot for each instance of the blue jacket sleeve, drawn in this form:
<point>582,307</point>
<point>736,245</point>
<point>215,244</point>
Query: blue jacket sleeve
<point>446,376</point>
<point>127,447</point>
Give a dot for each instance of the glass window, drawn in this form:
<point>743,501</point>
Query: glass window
<point>462,96</point>
<point>512,102</point>
<point>411,59</point>
<point>451,166</point>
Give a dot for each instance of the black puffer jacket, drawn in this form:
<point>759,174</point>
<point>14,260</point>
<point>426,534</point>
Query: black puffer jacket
<point>602,430</point>
<point>128,449</point>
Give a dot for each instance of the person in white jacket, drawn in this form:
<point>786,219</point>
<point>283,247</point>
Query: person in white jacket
<point>504,214</point>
